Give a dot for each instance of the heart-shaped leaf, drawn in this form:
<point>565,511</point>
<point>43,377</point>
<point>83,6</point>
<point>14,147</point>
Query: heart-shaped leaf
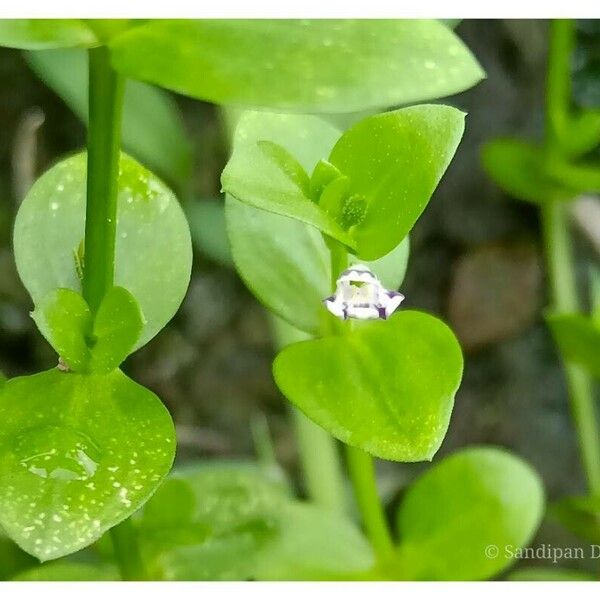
<point>518,168</point>
<point>286,265</point>
<point>85,343</point>
<point>387,387</point>
<point>153,245</point>
<point>578,338</point>
<point>319,65</point>
<point>394,162</point>
<point>462,519</point>
<point>78,454</point>
<point>39,34</point>
<point>153,131</point>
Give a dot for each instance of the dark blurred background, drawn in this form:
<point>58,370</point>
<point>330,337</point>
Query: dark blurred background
<point>475,260</point>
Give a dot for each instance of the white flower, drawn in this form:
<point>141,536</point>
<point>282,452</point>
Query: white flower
<point>360,295</point>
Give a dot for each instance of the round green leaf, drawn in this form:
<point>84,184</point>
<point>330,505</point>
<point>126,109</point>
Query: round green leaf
<point>286,265</point>
<point>578,338</point>
<point>464,517</point>
<point>518,168</point>
<point>39,34</point>
<point>78,454</point>
<point>153,247</point>
<point>319,65</point>
<point>394,162</point>
<point>387,387</point>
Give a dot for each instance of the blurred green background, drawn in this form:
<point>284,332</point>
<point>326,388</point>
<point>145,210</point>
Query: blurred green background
<point>475,260</point>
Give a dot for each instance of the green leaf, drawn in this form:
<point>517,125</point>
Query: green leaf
<point>578,338</point>
<point>117,327</point>
<point>285,263</point>
<point>65,320</point>
<point>387,387</point>
<point>394,162</point>
<point>314,544</point>
<point>153,245</point>
<point>64,570</point>
<point>262,181</point>
<point>580,515</point>
<point>546,574</point>
<point>255,529</point>
<point>462,519</point>
<point>518,168</point>
<point>78,454</point>
<point>320,65</point>
<point>39,34</point>
<point>152,127</point>
<point>98,344</point>
<point>209,231</point>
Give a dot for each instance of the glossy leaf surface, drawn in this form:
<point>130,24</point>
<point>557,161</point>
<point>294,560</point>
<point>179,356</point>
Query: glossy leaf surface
<point>78,454</point>
<point>153,246</point>
<point>387,387</point>
<point>319,65</point>
<point>474,500</point>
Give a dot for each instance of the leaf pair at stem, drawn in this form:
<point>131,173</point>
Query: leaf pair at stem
<point>89,343</point>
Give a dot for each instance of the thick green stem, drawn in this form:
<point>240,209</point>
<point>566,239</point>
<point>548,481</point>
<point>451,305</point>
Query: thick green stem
<point>106,89</point>
<point>105,107</point>
<point>559,251</point>
<point>127,552</point>
<point>364,483</point>
<point>559,256</point>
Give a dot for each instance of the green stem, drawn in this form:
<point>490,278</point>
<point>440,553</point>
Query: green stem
<point>559,255</point>
<point>319,455</point>
<point>364,483</point>
<point>127,551</point>
<point>106,89</point>
<point>320,464</point>
<point>559,251</point>
<point>558,81</point>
